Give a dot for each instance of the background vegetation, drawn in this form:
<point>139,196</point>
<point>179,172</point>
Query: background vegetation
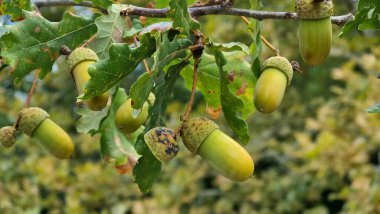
<point>319,153</point>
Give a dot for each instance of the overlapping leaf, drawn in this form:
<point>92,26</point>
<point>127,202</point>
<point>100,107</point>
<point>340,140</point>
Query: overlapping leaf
<point>232,105</point>
<point>148,168</point>
<point>114,146</point>
<point>35,42</point>
<point>167,51</point>
<point>14,8</point>
<point>367,17</point>
<point>122,61</point>
<point>163,91</point>
<point>133,30</point>
<point>241,79</point>
<point>181,17</point>
<point>256,46</point>
<point>110,29</point>
<point>90,121</point>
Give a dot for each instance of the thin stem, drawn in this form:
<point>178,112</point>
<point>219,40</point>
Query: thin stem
<point>185,116</point>
<point>196,11</point>
<point>15,125</point>
<point>30,94</point>
<point>144,61</point>
<point>266,42</point>
<point>270,46</point>
<point>31,91</point>
<point>89,40</point>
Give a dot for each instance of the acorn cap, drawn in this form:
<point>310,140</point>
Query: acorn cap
<point>162,142</point>
<point>79,55</point>
<point>30,118</point>
<point>280,63</point>
<point>195,131</point>
<point>8,136</point>
<point>310,9</point>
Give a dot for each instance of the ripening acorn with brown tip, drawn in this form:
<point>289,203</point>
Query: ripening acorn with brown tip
<point>35,123</point>
<point>315,30</point>
<point>276,74</point>
<point>203,137</point>
<point>79,61</point>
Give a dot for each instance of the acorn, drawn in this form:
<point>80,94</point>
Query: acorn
<point>162,142</point>
<point>35,123</point>
<point>128,119</point>
<point>202,136</point>
<point>276,74</point>
<point>79,61</point>
<point>8,136</point>
<point>315,30</point>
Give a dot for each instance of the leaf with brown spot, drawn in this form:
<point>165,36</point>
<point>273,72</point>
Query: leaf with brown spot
<point>24,49</point>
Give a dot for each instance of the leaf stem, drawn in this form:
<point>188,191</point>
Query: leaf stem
<point>31,91</point>
<point>28,99</point>
<point>144,61</point>
<point>197,51</point>
<point>185,116</point>
<point>89,40</point>
<point>266,42</point>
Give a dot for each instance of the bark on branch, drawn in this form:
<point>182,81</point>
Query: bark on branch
<point>198,11</point>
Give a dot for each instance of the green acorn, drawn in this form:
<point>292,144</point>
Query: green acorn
<point>125,120</point>
<point>35,123</point>
<point>8,136</point>
<point>315,30</point>
<point>202,136</point>
<point>79,61</point>
<point>162,142</point>
<point>276,74</point>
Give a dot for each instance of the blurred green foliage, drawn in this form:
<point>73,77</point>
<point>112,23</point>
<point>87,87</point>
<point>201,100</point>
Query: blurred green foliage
<point>319,153</point>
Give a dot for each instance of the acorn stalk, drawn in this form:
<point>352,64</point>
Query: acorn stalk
<point>202,136</point>
<point>35,123</point>
<point>315,30</point>
<point>276,74</point>
<point>79,61</point>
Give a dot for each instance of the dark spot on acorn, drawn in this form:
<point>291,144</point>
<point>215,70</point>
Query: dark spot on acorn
<point>172,149</point>
<point>158,132</point>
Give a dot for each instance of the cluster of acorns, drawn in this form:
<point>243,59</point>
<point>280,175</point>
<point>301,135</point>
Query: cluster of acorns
<point>199,135</point>
<point>315,35</point>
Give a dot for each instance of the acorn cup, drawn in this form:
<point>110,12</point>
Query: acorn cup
<point>125,120</point>
<point>35,123</point>
<point>162,142</point>
<point>79,61</point>
<point>315,30</point>
<point>8,136</point>
<point>202,136</point>
<point>276,74</point>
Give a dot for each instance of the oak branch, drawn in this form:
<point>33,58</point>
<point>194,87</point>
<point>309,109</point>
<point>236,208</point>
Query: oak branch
<point>197,11</point>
